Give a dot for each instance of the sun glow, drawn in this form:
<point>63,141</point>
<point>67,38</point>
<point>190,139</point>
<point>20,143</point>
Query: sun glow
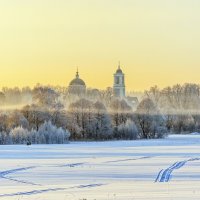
<point>43,41</point>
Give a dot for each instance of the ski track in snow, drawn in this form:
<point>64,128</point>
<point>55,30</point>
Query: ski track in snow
<point>123,160</point>
<point>89,186</point>
<point>20,181</point>
<point>4,174</point>
<point>165,175</point>
<point>72,165</point>
<point>114,161</point>
<point>34,192</point>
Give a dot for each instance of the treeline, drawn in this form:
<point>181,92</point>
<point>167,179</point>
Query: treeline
<point>15,96</point>
<point>180,104</point>
<point>46,134</point>
<point>95,116</point>
<point>98,115</point>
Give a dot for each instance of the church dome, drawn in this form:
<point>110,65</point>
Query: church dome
<point>77,81</point>
<point>119,71</point>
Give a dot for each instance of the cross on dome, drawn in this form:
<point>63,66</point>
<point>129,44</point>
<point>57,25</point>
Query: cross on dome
<point>77,73</point>
<point>119,65</point>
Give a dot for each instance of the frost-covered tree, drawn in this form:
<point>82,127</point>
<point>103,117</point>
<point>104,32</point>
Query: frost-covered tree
<point>106,96</point>
<point>5,138</point>
<point>120,111</point>
<point>15,119</point>
<point>103,124</point>
<point>149,119</point>
<point>12,119</point>
<point>128,130</point>
<point>12,95</point>
<point>4,122</point>
<point>180,104</point>
<point>81,114</point>
<point>2,98</point>
<point>47,134</point>
<point>45,96</point>
<point>36,115</point>
<point>154,95</point>
<point>183,123</point>
<point>19,135</point>
<point>50,134</point>
<point>58,115</point>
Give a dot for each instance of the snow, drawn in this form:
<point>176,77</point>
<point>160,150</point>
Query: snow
<point>163,169</point>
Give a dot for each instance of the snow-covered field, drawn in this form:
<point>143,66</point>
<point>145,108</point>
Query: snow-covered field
<point>119,170</point>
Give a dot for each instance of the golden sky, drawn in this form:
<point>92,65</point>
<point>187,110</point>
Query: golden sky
<point>42,41</point>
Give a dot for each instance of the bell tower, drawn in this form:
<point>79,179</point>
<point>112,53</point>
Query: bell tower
<point>119,83</point>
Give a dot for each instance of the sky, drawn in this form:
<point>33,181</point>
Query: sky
<point>43,41</point>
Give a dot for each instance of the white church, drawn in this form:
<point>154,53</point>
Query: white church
<point>119,89</point>
<point>78,87</point>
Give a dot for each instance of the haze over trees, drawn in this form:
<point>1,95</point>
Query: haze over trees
<point>180,105</point>
<point>51,115</point>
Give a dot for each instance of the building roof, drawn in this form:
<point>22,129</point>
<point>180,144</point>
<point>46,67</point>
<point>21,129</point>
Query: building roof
<point>77,81</point>
<point>119,71</point>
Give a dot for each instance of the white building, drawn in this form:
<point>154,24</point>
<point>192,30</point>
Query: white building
<point>119,83</point>
<point>77,86</point>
